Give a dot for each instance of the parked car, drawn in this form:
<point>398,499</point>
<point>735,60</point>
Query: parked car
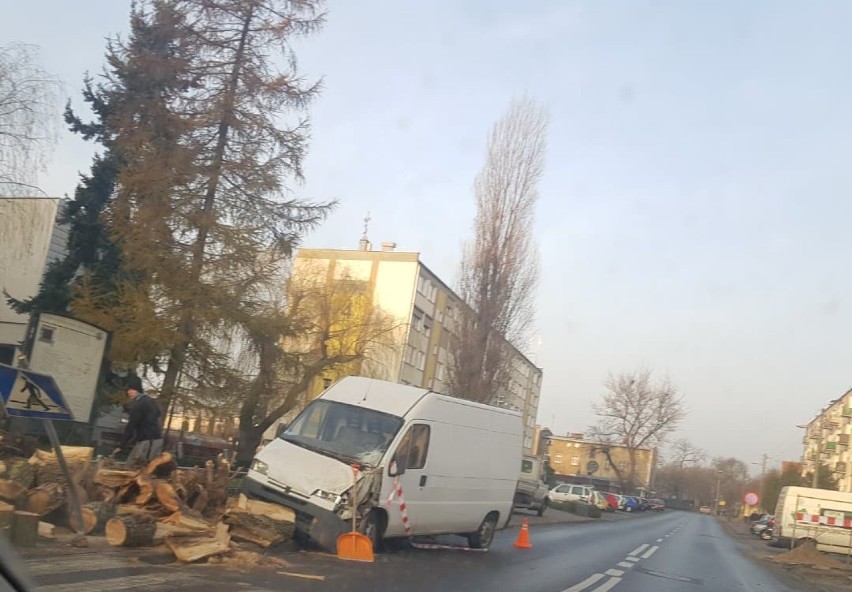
<point>599,499</point>
<point>630,504</point>
<point>657,505</point>
<point>705,510</point>
<point>531,492</point>
<point>612,502</point>
<point>566,492</point>
<point>643,504</point>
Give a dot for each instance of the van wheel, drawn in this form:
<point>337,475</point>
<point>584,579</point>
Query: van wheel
<point>542,507</point>
<point>374,528</point>
<point>481,539</point>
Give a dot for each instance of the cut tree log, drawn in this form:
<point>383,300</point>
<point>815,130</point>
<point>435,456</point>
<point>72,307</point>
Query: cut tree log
<point>127,492</point>
<point>161,466</point>
<point>197,498</point>
<point>20,471</point>
<point>274,511</point>
<point>78,459</point>
<point>46,530</point>
<point>114,477</point>
<point>191,549</point>
<point>45,498</point>
<point>184,520</point>
<point>146,489</point>
<point>258,529</point>
<point>95,516</point>
<point>25,529</point>
<point>12,491</point>
<point>164,530</point>
<point>130,530</point>
<point>7,518</point>
<point>168,497</point>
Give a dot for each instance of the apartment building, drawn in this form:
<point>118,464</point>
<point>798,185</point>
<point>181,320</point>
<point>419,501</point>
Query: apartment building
<point>426,311</point>
<point>827,440</point>
<point>577,460</point>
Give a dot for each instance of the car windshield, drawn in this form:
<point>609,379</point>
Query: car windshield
<point>344,431</point>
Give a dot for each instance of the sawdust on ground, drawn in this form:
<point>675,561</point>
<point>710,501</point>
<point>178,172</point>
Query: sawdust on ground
<point>247,560</point>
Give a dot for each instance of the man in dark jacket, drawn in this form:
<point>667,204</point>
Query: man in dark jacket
<point>143,426</point>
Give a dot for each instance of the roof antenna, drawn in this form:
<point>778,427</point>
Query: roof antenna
<point>364,243</point>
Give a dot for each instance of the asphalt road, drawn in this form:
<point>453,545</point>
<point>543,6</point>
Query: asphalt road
<point>667,552</point>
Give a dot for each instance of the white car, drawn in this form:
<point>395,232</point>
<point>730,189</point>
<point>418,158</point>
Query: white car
<point>570,493</point>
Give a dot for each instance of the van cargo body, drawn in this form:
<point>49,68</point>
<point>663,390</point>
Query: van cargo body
<point>456,461</point>
<point>820,515</point>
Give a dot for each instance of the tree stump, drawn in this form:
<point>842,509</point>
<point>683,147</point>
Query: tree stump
<point>25,529</point>
<point>130,530</point>
<point>45,498</point>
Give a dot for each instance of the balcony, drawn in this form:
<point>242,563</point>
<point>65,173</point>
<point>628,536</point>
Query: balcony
<point>830,446</point>
<point>843,440</point>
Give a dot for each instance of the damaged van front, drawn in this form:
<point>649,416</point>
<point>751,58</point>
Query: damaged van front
<point>308,467</point>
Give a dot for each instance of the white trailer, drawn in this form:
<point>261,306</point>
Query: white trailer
<point>820,515</point>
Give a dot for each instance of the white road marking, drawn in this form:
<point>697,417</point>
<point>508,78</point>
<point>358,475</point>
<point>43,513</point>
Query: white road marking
<point>625,564</point>
<point>614,572</point>
<point>650,552</point>
<point>632,558</point>
<point>585,583</point>
<point>659,540</point>
<point>610,584</point>
<point>638,550</point>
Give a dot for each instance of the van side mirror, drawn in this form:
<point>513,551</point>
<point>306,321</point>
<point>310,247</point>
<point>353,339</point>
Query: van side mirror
<point>396,468</point>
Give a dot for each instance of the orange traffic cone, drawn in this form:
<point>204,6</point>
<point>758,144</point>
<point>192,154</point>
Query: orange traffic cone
<point>523,541</point>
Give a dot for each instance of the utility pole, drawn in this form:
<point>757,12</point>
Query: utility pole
<point>718,485</point>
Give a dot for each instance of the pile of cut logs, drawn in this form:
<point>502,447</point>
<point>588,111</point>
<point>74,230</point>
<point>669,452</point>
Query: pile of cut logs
<point>188,510</point>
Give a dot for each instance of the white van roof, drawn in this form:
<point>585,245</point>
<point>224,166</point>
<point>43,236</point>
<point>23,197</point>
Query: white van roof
<point>388,397</point>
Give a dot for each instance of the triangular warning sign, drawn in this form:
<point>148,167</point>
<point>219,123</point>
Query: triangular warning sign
<point>30,394</point>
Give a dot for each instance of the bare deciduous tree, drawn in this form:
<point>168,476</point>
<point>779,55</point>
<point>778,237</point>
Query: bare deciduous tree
<point>29,118</point>
<point>499,269</point>
<point>683,453</point>
<point>636,412</point>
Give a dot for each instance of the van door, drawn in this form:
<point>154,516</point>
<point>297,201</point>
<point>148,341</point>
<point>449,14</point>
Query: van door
<point>412,455</point>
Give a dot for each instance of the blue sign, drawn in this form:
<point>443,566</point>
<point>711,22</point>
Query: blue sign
<point>31,394</point>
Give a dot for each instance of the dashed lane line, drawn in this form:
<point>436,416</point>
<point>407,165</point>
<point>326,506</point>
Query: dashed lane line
<point>632,558</point>
<point>650,552</point>
<point>592,579</point>
<point>625,564</point>
<point>638,550</point>
<point>609,585</point>
<point>614,572</point>
<point>659,540</point>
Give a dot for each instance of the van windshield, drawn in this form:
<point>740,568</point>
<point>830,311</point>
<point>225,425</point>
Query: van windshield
<point>344,431</point>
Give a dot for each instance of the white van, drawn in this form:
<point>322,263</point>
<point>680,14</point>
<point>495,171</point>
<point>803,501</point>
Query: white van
<point>457,462</point>
<point>820,515</point>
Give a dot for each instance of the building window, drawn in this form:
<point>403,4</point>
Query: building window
<point>417,319</point>
<point>409,354</point>
<point>575,461</point>
<point>427,326</point>
<point>527,442</point>
<point>557,459</point>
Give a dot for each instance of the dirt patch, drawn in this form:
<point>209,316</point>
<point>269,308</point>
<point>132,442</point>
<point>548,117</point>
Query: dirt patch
<point>248,560</point>
<point>808,555</point>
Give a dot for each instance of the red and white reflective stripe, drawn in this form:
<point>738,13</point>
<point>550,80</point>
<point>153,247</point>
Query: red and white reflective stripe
<point>403,509</point>
<point>826,520</point>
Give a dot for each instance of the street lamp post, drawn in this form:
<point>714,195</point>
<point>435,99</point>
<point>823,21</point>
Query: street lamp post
<point>718,485</point>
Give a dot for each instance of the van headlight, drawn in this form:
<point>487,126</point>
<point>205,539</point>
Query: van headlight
<point>326,495</point>
<point>259,466</point>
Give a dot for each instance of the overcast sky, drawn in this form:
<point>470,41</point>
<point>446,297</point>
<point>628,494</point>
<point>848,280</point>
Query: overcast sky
<point>694,214</point>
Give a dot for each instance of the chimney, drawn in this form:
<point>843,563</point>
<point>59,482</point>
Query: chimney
<point>364,245</point>
<point>388,246</point>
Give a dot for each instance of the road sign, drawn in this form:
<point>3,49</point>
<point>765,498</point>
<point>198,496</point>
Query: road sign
<point>592,467</point>
<point>751,499</point>
<point>32,394</point>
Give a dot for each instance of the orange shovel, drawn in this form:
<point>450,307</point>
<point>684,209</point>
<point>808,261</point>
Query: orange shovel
<point>354,546</point>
